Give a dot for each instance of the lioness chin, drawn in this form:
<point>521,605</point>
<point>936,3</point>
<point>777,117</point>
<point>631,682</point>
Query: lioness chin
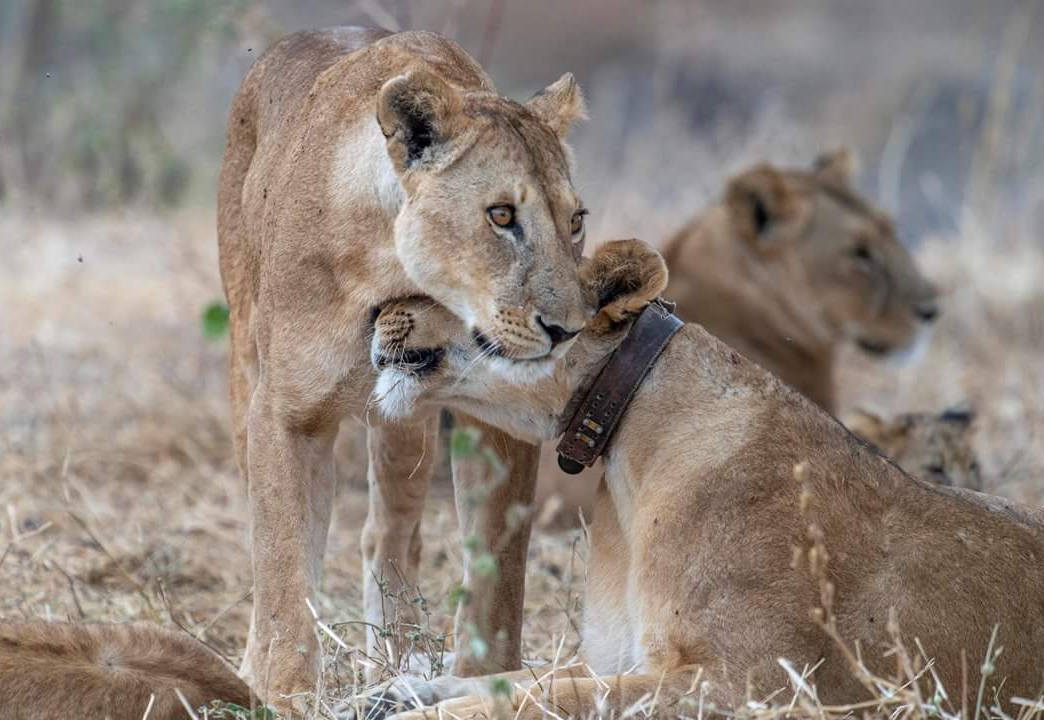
<point>737,523</point>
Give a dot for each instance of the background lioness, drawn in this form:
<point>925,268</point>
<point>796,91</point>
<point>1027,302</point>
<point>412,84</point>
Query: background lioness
<point>739,524</point>
<point>787,268</point>
<point>363,165</point>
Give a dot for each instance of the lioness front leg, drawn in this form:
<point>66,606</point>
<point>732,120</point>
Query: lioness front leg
<point>402,459</point>
<point>491,502</point>
<point>291,483</point>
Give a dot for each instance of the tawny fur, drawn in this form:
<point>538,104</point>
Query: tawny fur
<point>360,166</point>
<point>62,671</point>
<point>772,270</point>
<point>719,482</point>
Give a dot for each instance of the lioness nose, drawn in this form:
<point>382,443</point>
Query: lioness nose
<point>927,311</point>
<point>557,333</point>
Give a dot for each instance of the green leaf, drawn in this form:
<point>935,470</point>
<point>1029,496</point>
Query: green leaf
<point>479,647</point>
<point>215,320</point>
<point>464,442</point>
<point>459,595</point>
<point>500,687</point>
<point>485,566</point>
<point>471,543</point>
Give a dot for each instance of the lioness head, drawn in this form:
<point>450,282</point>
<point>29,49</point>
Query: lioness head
<point>491,226</point>
<point>423,353</point>
<point>843,248</point>
<point>936,448</point>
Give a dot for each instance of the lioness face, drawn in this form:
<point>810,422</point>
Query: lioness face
<point>872,289</point>
<point>425,354</point>
<point>491,226</point>
<point>844,250</point>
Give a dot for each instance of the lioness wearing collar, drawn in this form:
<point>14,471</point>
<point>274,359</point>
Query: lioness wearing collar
<point>736,523</point>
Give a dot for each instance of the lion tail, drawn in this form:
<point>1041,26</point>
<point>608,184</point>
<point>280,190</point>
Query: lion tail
<point>116,671</point>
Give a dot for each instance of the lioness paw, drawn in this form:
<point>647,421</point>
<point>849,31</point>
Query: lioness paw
<point>391,697</point>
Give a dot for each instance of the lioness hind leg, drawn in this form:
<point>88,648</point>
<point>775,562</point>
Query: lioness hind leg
<point>493,499</point>
<point>402,459</point>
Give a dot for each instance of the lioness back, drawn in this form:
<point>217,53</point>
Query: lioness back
<point>63,671</point>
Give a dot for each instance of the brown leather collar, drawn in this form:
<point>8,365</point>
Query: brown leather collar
<point>600,408</point>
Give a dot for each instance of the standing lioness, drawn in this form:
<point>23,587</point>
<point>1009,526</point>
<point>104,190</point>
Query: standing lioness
<point>362,166</point>
<point>732,508</point>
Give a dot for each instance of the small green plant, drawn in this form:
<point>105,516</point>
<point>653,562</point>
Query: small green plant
<point>406,629</point>
<point>215,320</point>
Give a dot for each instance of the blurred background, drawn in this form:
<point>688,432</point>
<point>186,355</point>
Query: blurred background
<point>110,103</point>
<point>118,494</point>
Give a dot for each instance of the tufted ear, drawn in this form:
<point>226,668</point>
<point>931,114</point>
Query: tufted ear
<point>837,166</point>
<point>623,276</point>
<point>761,204</point>
<point>417,112</point>
<point>560,104</point>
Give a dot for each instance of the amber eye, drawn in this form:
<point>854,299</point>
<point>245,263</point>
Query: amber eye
<point>576,225</point>
<point>502,215</point>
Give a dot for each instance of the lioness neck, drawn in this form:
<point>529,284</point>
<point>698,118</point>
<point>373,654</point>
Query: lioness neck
<point>760,306</point>
<point>701,405</point>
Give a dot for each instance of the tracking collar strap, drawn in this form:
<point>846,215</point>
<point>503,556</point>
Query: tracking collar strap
<point>600,409</point>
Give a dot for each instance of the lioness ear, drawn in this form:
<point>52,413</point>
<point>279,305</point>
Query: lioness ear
<point>761,204</point>
<point>416,111</point>
<point>623,277</point>
<point>866,425</point>
<point>560,104</point>
<point>838,166</point>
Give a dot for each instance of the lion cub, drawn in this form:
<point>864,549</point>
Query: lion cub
<point>934,447</point>
<point>737,523</point>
